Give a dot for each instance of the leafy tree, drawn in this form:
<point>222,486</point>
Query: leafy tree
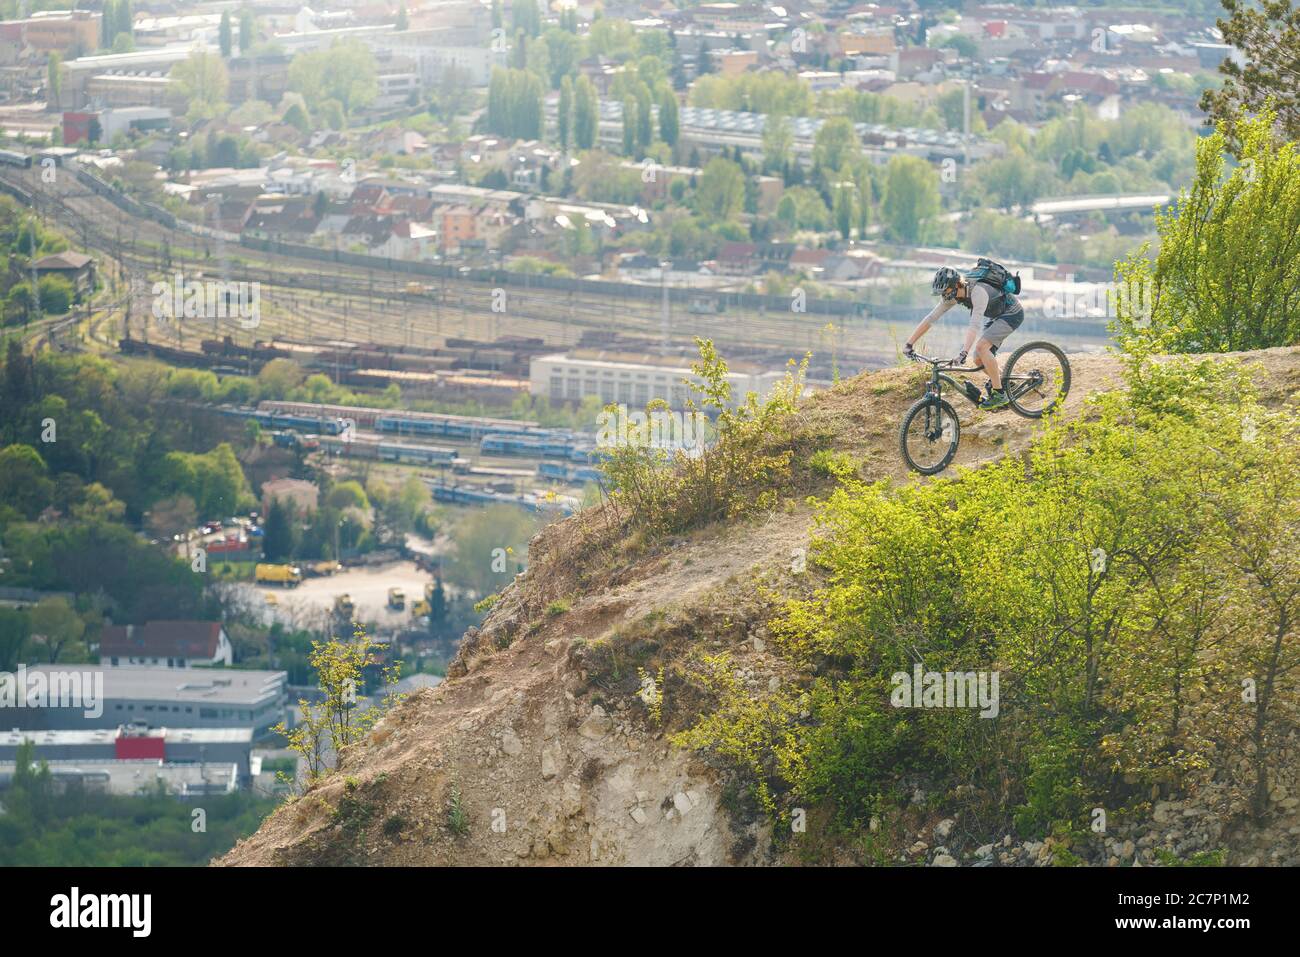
<point>770,92</point>
<point>525,16</point>
<point>345,73</point>
<point>803,208</point>
<point>56,295</point>
<point>669,128</point>
<point>563,50</point>
<point>514,105</point>
<point>721,193</point>
<point>329,725</point>
<point>564,113</point>
<point>490,545</point>
<point>58,626</point>
<point>172,516</point>
<point>1226,276</point>
<point>247,30</point>
<point>1268,36</point>
<point>835,144</point>
<point>108,24</point>
<point>14,629</point>
<point>54,78</point>
<point>346,495</point>
<point>644,117</point>
<point>277,532</point>
<point>964,45</point>
<point>778,142</point>
<point>911,197</point>
<point>225,37</point>
<point>403,21</point>
<point>203,81</point>
<point>629,127</point>
<point>24,484</point>
<point>585,114</point>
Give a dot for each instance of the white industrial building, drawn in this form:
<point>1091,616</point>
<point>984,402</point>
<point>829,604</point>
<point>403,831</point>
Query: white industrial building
<point>631,379</point>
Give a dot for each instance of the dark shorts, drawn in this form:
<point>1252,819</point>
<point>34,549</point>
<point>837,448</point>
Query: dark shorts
<point>996,330</point>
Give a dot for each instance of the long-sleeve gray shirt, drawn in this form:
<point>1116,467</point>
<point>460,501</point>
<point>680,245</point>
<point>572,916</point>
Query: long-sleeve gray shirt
<point>979,303</point>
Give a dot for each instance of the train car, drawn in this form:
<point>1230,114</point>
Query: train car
<point>300,423</point>
<point>397,421</point>
<point>576,474</point>
<point>419,454</point>
<point>12,158</point>
<point>528,445</point>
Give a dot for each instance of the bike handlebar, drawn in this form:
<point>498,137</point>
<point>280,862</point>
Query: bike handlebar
<point>949,364</point>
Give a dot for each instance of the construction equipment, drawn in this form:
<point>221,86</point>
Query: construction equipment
<point>420,608</point>
<point>396,599</point>
<point>286,576</point>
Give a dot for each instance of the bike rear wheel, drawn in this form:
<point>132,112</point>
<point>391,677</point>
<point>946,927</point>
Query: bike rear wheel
<point>1037,379</point>
<point>929,435</point>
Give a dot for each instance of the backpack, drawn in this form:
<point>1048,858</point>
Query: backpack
<point>996,275</point>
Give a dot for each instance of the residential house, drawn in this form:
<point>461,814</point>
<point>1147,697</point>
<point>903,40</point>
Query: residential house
<point>170,644</point>
<point>397,141</point>
<point>458,225</point>
<point>408,241</point>
<point>77,268</point>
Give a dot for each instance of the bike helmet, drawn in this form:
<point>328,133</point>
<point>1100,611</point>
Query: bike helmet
<point>945,280</point>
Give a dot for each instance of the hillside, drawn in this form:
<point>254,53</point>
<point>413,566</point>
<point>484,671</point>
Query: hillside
<point>541,738</point>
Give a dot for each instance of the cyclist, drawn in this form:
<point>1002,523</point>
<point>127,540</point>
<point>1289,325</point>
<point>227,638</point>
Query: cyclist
<point>994,315</point>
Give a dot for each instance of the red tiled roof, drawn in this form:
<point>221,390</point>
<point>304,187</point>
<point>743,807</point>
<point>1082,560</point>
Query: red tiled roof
<point>161,639</point>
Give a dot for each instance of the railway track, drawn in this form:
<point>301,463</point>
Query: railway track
<point>378,301</point>
<point>310,301</point>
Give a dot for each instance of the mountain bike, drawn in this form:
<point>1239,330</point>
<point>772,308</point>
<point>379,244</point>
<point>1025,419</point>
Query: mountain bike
<point>1036,379</point>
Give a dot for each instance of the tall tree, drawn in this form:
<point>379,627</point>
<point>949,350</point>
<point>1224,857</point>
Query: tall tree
<point>277,532</point>
<point>54,78</point>
<point>225,37</point>
<point>586,114</point>
<point>403,21</point>
<point>247,27</point>
<point>564,114</point>
<point>526,16</point>
<point>125,19</point>
<point>721,193</point>
<point>629,126</point>
<point>644,117</point>
<point>108,24</point>
<point>778,141</point>
<point>1226,276</point>
<point>203,81</point>
<point>911,197</point>
<point>669,127</point>
<point>1267,33</point>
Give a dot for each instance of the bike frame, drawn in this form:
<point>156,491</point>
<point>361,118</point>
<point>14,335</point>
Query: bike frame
<point>939,369</point>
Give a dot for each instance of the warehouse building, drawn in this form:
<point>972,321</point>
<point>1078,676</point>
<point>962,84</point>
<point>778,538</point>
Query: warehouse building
<point>633,379</point>
<point>189,698</point>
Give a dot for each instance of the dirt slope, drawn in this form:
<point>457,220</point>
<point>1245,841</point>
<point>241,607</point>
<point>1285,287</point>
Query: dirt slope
<point>542,740</point>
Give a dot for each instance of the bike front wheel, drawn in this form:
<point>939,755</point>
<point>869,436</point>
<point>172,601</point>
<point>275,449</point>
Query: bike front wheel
<point>929,435</point>
<point>1037,379</point>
